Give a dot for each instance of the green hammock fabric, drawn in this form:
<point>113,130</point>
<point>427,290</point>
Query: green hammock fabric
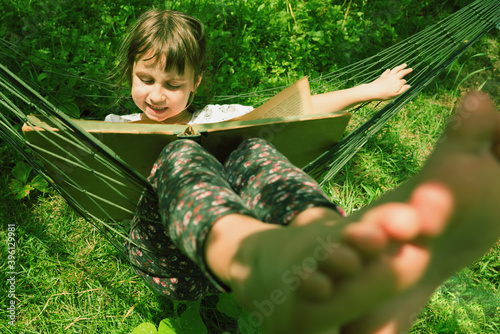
<point>428,53</point>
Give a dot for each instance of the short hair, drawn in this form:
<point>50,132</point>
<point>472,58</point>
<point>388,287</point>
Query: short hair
<point>178,37</point>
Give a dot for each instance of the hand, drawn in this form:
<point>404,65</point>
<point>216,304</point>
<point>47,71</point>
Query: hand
<point>390,84</point>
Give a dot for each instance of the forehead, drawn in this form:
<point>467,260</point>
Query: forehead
<point>150,61</point>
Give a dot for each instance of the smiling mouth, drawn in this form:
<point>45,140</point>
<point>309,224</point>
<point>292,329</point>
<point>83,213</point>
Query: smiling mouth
<point>157,109</point>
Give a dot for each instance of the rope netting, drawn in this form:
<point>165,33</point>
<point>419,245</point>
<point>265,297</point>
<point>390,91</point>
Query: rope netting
<point>103,188</point>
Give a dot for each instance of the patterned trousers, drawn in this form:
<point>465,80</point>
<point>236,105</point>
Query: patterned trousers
<point>194,190</point>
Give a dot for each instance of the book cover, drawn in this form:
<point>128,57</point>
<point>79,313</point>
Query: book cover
<point>286,120</point>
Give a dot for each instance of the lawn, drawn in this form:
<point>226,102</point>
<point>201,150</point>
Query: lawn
<point>69,279</point>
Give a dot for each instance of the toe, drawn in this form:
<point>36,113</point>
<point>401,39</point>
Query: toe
<point>475,123</point>
<point>398,221</point>
<point>434,203</point>
<point>366,238</point>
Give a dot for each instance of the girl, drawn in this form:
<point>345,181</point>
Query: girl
<point>163,59</point>
<point>263,229</point>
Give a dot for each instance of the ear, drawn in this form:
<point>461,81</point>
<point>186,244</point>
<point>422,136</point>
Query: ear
<point>197,82</point>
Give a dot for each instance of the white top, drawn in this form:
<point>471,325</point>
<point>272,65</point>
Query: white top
<point>212,113</point>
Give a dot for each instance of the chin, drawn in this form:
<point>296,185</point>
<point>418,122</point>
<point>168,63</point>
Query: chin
<point>158,119</point>
<point>155,117</point>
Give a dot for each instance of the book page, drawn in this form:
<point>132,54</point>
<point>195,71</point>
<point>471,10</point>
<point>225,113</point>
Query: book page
<point>292,101</point>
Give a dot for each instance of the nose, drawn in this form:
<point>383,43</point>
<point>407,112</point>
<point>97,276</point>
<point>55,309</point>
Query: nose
<point>157,94</point>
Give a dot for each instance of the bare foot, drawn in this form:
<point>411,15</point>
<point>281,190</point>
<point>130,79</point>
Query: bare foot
<point>314,277</point>
<point>361,242</point>
<point>450,205</point>
<point>464,171</point>
<point>369,272</point>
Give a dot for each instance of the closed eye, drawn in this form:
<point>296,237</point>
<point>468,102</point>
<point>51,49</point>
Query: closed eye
<point>147,81</point>
<point>150,81</point>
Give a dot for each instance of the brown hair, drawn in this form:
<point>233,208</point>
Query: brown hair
<point>178,37</point>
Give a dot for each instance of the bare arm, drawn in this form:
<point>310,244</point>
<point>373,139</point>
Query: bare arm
<point>389,85</point>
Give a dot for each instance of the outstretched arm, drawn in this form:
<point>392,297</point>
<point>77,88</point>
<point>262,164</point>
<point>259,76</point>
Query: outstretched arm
<point>389,85</point>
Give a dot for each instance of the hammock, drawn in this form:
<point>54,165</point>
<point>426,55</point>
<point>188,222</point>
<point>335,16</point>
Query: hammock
<point>106,200</point>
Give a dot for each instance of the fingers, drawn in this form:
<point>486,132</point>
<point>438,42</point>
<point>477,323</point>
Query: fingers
<point>386,73</point>
<point>317,287</point>
<point>399,68</point>
<point>394,78</point>
<point>399,71</point>
<point>404,88</point>
<point>401,74</point>
<point>390,84</point>
<point>368,239</point>
<point>340,261</point>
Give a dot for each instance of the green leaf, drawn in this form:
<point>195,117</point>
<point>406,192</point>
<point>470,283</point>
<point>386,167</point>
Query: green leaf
<point>177,303</point>
<point>145,328</point>
<point>247,325</point>
<point>169,326</point>
<point>72,110</point>
<point>39,183</point>
<point>72,82</point>
<point>192,323</point>
<point>15,186</point>
<point>19,189</point>
<point>195,305</point>
<point>42,76</point>
<point>21,171</point>
<point>228,305</point>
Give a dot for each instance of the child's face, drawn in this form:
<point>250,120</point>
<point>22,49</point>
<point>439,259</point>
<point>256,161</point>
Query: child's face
<point>161,95</point>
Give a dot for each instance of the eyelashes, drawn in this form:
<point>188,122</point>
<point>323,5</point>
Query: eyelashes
<point>168,85</point>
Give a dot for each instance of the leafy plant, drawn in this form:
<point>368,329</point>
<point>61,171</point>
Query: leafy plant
<point>190,321</point>
<point>19,184</point>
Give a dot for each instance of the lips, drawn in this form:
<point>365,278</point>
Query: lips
<point>157,109</point>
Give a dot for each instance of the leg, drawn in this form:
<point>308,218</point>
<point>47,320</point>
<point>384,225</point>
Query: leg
<point>464,175</point>
<point>271,186</point>
<point>155,258</point>
<point>453,201</point>
<point>192,196</point>
<point>169,229</point>
<point>277,193</point>
<point>280,193</point>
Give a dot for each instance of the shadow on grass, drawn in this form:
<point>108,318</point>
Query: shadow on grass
<point>61,258</point>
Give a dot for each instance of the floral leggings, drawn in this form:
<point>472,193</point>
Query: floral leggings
<point>194,190</point>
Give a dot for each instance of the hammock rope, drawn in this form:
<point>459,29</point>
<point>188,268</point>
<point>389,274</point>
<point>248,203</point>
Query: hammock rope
<point>428,52</point>
<point>431,57</point>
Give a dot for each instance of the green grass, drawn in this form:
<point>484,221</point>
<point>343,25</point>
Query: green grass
<point>71,280</point>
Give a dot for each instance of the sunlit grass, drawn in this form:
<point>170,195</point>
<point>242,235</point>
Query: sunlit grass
<point>71,280</point>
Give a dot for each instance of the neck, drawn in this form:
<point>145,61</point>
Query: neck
<point>182,118</point>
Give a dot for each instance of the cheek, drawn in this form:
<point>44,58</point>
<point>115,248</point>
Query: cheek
<point>138,92</point>
<point>179,98</point>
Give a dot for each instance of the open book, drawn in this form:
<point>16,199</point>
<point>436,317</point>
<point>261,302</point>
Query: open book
<point>286,120</point>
